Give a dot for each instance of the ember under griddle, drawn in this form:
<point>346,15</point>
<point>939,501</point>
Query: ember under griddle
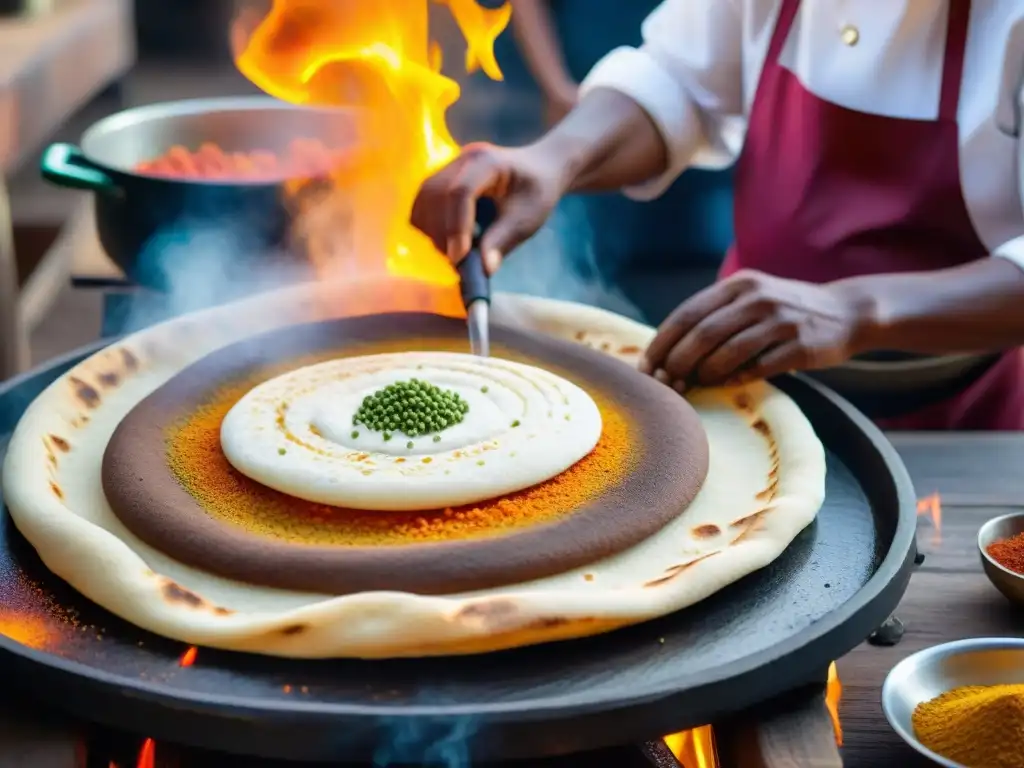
<point>773,631</point>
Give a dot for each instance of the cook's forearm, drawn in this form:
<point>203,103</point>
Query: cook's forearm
<point>537,38</point>
<point>978,307</point>
<point>607,142</point>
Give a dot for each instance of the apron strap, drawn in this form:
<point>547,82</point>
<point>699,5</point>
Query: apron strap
<point>787,15</point>
<point>953,62</point>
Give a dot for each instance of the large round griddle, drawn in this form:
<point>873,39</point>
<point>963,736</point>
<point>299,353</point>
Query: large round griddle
<point>772,631</point>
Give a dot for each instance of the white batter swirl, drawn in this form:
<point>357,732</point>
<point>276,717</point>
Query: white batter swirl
<point>295,433</point>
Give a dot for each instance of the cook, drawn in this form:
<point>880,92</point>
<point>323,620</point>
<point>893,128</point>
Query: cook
<point>691,221</point>
<point>878,202</point>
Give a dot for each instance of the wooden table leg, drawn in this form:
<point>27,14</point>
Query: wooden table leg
<point>14,349</point>
<point>793,732</point>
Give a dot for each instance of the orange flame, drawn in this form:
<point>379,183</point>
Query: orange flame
<point>147,755</point>
<point>188,658</point>
<point>377,58</point>
<point>833,695</point>
<point>931,507</point>
<point>696,748</point>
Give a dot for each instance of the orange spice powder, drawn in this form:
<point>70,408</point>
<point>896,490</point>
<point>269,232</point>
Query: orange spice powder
<point>31,616</point>
<point>33,631</point>
<point>196,457</point>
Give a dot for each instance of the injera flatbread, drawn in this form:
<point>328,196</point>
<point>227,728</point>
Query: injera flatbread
<point>765,484</point>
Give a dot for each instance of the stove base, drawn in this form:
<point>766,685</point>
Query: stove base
<point>795,731</point>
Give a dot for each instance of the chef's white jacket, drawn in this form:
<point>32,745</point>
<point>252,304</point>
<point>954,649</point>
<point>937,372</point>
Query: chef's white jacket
<point>696,72</point>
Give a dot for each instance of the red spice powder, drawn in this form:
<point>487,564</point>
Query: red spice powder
<point>1009,553</point>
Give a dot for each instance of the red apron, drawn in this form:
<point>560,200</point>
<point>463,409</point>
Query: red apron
<point>824,192</point>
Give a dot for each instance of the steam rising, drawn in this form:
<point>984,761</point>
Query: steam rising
<point>200,267</point>
<point>210,265</point>
<point>559,263</point>
<point>419,742</point>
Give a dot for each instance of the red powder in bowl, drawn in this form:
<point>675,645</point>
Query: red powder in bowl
<point>1009,553</point>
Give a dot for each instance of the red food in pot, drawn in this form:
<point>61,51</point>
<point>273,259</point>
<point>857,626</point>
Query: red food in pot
<point>303,158</point>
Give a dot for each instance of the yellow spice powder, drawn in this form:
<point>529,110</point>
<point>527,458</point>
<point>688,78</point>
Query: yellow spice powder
<point>976,726</point>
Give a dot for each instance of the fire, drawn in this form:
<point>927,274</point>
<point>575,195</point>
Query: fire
<point>696,748</point>
<point>188,658</point>
<point>833,695</point>
<point>147,755</point>
<point>377,58</point>
<point>931,507</point>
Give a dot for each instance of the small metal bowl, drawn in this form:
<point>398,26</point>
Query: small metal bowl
<point>934,671</point>
<point>1006,581</point>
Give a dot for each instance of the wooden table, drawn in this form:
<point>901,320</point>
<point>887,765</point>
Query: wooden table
<point>978,477</point>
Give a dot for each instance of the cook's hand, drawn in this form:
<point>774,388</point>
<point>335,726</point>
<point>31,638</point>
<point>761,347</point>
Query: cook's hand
<point>524,182</point>
<point>754,326</point>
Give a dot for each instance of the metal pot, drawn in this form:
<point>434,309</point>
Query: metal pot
<point>137,214</point>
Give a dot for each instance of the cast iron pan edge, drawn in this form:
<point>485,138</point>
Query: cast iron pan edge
<point>524,728</point>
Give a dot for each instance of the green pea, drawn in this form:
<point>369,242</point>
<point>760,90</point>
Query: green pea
<point>414,407</point>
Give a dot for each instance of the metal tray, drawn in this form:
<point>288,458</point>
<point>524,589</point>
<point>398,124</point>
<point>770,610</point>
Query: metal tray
<point>771,632</point>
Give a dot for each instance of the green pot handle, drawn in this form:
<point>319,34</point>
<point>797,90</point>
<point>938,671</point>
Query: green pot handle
<point>66,166</point>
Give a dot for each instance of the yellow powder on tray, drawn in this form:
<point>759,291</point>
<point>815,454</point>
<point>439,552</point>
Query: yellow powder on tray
<point>195,456</point>
<point>976,726</point>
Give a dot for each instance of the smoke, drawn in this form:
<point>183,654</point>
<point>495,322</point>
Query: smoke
<point>559,262</point>
<point>426,743</point>
<point>198,266</point>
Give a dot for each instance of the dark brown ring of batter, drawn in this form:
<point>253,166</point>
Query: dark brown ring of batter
<point>151,502</point>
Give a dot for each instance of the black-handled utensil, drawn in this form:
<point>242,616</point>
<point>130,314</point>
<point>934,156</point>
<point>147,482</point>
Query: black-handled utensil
<point>475,285</point>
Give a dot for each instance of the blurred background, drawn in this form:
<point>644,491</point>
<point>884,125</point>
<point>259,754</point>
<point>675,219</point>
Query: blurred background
<point>64,64</point>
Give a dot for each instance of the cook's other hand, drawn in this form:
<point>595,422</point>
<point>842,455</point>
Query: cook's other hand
<point>753,326</point>
<point>523,182</point>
